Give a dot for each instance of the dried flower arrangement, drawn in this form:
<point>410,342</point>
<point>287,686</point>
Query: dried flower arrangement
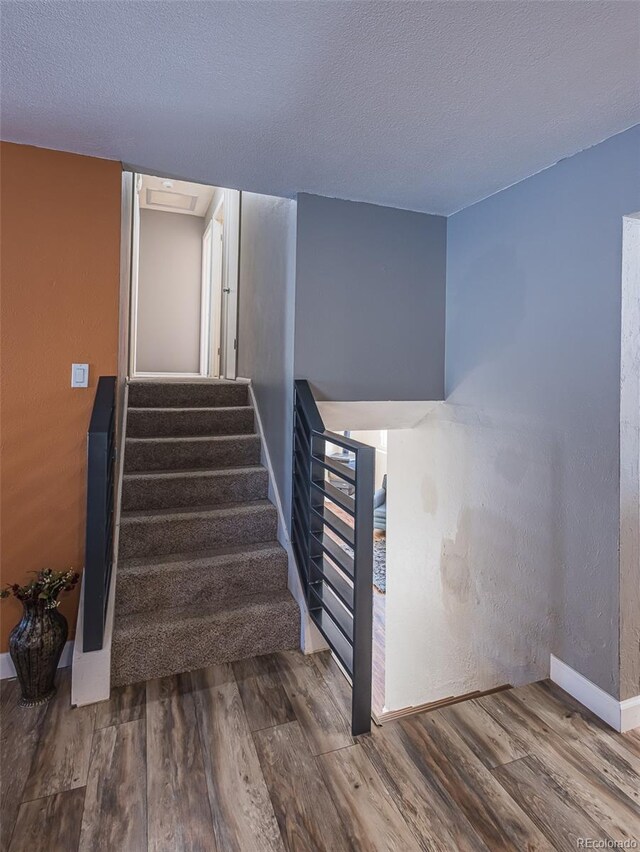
<point>46,586</point>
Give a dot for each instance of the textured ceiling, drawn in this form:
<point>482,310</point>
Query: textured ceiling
<point>423,105</point>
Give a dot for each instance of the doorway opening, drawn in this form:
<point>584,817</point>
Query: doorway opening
<point>184,279</point>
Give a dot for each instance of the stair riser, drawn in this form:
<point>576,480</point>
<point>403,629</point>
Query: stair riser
<point>159,424</point>
<point>153,537</point>
<point>170,395</point>
<point>172,648</point>
<point>185,455</point>
<point>220,583</point>
<point>160,493</point>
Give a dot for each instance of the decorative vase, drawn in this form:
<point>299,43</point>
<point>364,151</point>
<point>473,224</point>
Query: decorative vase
<point>35,645</point>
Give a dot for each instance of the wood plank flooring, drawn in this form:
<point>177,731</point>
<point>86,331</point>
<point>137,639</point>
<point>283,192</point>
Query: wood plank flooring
<point>257,757</point>
<point>378,655</point>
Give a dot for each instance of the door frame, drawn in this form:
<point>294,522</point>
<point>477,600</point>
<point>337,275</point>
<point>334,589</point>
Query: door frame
<point>211,297</point>
<point>217,285</point>
<point>135,258</point>
<point>206,300</point>
<point>231,282</point>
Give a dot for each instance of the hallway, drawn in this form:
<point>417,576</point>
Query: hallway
<point>257,756</point>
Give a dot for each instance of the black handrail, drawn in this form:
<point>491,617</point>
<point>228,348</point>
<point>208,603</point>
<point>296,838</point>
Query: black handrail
<point>334,556</point>
<point>100,518</point>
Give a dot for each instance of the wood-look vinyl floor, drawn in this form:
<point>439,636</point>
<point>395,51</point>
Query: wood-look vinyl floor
<point>257,756</point>
<point>378,652</point>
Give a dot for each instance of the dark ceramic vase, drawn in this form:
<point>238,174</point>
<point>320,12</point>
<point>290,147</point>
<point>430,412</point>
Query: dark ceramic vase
<point>35,645</point>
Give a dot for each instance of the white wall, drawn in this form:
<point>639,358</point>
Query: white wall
<point>169,291</point>
<point>470,555</point>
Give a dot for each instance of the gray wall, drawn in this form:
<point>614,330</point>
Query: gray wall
<point>533,347</point>
<point>169,292</point>
<point>265,338</point>
<point>370,301</point>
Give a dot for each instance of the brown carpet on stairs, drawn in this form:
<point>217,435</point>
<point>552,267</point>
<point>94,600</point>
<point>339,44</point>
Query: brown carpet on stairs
<point>201,576</point>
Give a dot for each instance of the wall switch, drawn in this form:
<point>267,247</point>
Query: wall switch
<point>79,375</point>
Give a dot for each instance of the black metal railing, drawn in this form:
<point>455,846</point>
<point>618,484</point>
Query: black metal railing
<point>100,513</point>
<point>334,546</point>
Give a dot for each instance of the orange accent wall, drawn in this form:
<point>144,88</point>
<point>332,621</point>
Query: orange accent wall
<point>60,280</point>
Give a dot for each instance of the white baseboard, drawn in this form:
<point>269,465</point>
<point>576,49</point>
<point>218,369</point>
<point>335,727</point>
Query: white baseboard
<point>620,715</point>
<point>7,669</point>
<point>311,640</point>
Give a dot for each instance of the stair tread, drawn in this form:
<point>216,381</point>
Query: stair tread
<point>164,439</point>
<point>163,619</point>
<point>203,582</point>
<point>194,408</point>
<point>171,473</point>
<point>176,395</point>
<point>194,556</point>
<point>245,507</point>
<point>197,382</point>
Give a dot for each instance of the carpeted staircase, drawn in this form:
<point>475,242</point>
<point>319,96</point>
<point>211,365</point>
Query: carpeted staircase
<point>201,576</point>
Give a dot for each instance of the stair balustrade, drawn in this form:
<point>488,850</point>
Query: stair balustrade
<point>100,513</point>
<point>334,554</point>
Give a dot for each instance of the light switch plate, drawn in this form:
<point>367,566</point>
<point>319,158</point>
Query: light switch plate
<point>79,375</point>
